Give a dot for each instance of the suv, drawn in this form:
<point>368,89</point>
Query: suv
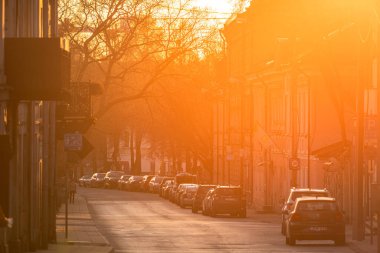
<point>225,199</point>
<point>97,180</point>
<point>144,184</point>
<point>297,193</point>
<point>315,218</point>
<point>111,179</point>
<point>186,198</point>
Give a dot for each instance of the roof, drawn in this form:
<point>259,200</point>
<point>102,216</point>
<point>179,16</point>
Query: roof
<point>308,190</point>
<point>228,186</point>
<point>315,198</point>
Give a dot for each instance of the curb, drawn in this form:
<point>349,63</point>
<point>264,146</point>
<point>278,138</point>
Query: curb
<point>83,243</point>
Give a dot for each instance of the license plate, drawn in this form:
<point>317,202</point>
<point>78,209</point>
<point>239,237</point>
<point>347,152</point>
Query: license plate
<point>318,229</point>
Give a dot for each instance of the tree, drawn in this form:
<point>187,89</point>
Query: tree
<point>131,46</point>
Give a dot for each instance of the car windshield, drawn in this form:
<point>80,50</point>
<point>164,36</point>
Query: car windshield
<point>191,189</point>
<point>228,191</point>
<point>101,175</point>
<point>308,194</point>
<point>316,206</point>
<point>114,174</point>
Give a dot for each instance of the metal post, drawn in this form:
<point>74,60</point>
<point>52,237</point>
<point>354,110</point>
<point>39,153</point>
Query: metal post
<point>293,107</point>
<point>66,199</point>
<point>377,8</point>
<point>308,132</point>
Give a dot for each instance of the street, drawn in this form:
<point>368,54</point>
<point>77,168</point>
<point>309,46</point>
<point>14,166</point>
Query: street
<point>143,222</point>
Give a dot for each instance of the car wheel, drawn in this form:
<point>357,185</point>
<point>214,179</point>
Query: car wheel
<point>286,240</point>
<point>340,241</point>
<point>181,204</point>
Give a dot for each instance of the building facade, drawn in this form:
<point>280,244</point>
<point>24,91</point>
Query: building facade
<point>27,132</point>
<point>289,113</point>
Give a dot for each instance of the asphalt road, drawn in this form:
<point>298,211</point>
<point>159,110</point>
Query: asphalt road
<point>143,222</point>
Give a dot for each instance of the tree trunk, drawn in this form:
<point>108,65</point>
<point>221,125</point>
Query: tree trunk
<point>116,151</point>
<point>132,151</point>
<point>138,153</point>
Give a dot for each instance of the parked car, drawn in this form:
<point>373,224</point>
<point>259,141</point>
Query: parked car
<point>111,179</point>
<point>144,183</point>
<point>187,196</point>
<point>166,188</point>
<point>122,180</point>
<point>154,184</point>
<point>315,218</point>
<point>97,180</point>
<point>226,200</point>
<point>180,190</point>
<point>133,183</point>
<point>84,180</point>
<point>298,193</point>
<point>160,188</point>
<point>207,202</point>
<point>199,196</point>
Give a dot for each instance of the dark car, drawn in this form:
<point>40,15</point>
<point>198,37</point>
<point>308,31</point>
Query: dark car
<point>122,180</point>
<point>85,180</point>
<point>298,193</point>
<point>154,184</point>
<point>97,180</point>
<point>162,184</point>
<point>111,179</point>
<point>199,196</point>
<point>166,188</point>
<point>134,183</point>
<point>226,200</point>
<point>315,218</point>
<point>187,196</point>
<point>144,183</point>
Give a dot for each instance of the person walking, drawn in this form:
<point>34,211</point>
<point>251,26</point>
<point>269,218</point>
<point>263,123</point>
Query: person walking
<point>73,190</point>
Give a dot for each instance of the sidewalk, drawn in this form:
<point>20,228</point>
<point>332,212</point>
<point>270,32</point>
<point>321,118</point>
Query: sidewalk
<point>357,246</point>
<point>83,236</point>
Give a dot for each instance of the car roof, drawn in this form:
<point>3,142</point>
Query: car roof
<point>308,190</point>
<point>303,199</point>
<point>228,187</point>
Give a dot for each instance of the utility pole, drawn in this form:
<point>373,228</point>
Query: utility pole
<point>362,80</point>
<point>377,8</point>
<point>293,108</point>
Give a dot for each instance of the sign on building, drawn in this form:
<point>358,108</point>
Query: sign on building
<point>73,141</point>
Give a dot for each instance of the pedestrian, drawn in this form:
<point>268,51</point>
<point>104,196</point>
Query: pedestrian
<point>73,190</point>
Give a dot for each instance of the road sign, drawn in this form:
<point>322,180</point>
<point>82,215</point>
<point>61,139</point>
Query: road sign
<point>73,141</point>
<point>294,163</point>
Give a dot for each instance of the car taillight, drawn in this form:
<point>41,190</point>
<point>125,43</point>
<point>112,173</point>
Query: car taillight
<point>295,217</point>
